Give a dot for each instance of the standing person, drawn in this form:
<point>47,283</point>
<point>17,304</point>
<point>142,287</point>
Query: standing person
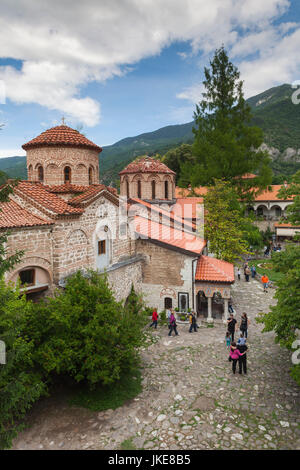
<point>253,271</point>
<point>265,280</point>
<point>231,325</point>
<point>242,348</point>
<point>173,325</point>
<point>234,355</point>
<point>169,313</point>
<point>239,273</point>
<point>227,339</point>
<point>154,318</point>
<point>247,273</point>
<point>193,323</point>
<point>230,307</point>
<point>245,322</point>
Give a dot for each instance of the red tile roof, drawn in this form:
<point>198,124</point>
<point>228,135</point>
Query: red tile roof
<point>214,270</point>
<point>272,194</point>
<point>49,202</point>
<point>151,230</point>
<point>146,165</point>
<point>13,215</point>
<point>66,188</point>
<point>286,225</point>
<point>156,208</point>
<point>61,135</point>
<point>90,192</point>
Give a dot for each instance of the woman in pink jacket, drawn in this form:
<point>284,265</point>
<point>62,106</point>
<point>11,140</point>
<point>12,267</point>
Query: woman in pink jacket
<point>234,355</point>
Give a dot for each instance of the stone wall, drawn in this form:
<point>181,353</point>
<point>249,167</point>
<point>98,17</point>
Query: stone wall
<point>54,159</point>
<point>121,280</point>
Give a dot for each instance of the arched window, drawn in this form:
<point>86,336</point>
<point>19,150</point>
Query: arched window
<point>153,189</point>
<point>139,189</point>
<point>91,175</point>
<point>166,190</point>
<point>127,188</point>
<point>40,173</point>
<point>30,173</point>
<point>67,174</point>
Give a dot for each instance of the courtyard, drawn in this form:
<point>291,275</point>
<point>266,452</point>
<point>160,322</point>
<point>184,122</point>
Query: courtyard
<point>190,398</point>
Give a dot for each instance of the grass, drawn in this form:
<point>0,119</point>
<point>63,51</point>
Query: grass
<point>108,397</point>
<point>268,270</point>
<point>128,444</point>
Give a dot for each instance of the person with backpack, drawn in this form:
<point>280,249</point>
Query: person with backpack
<point>173,325</point>
<point>193,322</point>
<point>245,322</point>
<point>154,319</point>
<point>242,348</point>
<point>231,322</point>
<point>234,355</point>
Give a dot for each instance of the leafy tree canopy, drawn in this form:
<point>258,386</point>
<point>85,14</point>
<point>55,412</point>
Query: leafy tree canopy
<point>293,211</point>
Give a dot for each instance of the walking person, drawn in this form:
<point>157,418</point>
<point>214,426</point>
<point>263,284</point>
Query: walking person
<point>173,325</point>
<point>234,355</point>
<point>230,307</point>
<point>253,271</point>
<point>231,322</point>
<point>247,273</point>
<point>245,322</point>
<point>239,273</point>
<point>265,280</point>
<point>169,312</point>
<point>193,322</point>
<point>154,319</point>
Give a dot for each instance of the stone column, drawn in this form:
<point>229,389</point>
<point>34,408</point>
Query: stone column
<point>225,313</point>
<point>209,310</point>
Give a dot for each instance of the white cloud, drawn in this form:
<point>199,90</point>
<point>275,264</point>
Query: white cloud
<point>64,45</point>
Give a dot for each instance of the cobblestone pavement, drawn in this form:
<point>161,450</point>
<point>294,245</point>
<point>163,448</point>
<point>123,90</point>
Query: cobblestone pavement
<point>190,399</point>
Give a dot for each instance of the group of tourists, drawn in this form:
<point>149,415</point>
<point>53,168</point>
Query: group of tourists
<point>171,319</point>
<point>247,271</point>
<point>237,350</point>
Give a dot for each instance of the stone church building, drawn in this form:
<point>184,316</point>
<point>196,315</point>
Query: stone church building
<point>65,221</point>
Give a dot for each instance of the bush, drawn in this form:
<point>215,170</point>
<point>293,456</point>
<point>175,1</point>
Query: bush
<point>163,318</point>
<point>84,333</point>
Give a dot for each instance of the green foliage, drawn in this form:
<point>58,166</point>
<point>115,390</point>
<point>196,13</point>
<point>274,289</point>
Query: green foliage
<point>176,157</point>
<point>134,302</point>
<point>7,262</point>
<point>84,333</point>
<point>226,146</point>
<point>163,318</point>
<point>223,221</point>
<point>266,268</point>
<point>293,210</point>
<point>284,317</point>
<point>20,383</point>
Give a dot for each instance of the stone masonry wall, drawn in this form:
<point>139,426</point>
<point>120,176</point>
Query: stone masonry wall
<point>55,159</point>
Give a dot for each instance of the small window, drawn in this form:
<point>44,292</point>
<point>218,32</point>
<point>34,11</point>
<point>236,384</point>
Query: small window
<point>91,175</point>
<point>102,247</point>
<point>153,189</point>
<point>67,174</point>
<point>166,190</point>
<point>168,302</point>
<point>27,277</point>
<point>127,189</point>
<point>40,174</point>
<point>139,189</point>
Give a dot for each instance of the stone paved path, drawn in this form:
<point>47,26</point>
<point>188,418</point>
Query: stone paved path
<point>190,400</point>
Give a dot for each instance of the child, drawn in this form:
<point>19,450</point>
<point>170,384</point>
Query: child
<point>241,340</point>
<point>227,338</point>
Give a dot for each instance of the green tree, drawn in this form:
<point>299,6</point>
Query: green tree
<point>84,333</point>
<point>20,383</point>
<point>284,317</point>
<point>176,157</point>
<point>224,222</point>
<point>226,146</point>
<point>292,211</point>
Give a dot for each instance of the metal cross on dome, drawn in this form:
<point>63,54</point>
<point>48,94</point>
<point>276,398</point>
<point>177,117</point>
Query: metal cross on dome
<point>63,120</point>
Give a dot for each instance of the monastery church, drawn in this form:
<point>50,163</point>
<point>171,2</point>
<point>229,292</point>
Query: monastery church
<point>65,221</point>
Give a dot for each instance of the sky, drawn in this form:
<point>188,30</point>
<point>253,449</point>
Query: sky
<point>118,68</point>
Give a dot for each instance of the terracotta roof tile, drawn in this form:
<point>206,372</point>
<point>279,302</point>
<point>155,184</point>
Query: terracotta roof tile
<point>272,195</point>
<point>48,201</point>
<point>187,207</point>
<point>146,165</point>
<point>90,192</point>
<point>214,270</point>
<point>187,241</point>
<point>13,215</point>
<point>61,135</point>
<point>65,188</point>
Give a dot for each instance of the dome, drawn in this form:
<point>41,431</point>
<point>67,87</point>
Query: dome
<point>146,165</point>
<point>62,136</point>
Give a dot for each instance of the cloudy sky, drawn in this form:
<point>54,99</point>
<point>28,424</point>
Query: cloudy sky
<point>122,67</point>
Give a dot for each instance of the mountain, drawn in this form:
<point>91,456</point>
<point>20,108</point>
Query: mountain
<point>273,111</point>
